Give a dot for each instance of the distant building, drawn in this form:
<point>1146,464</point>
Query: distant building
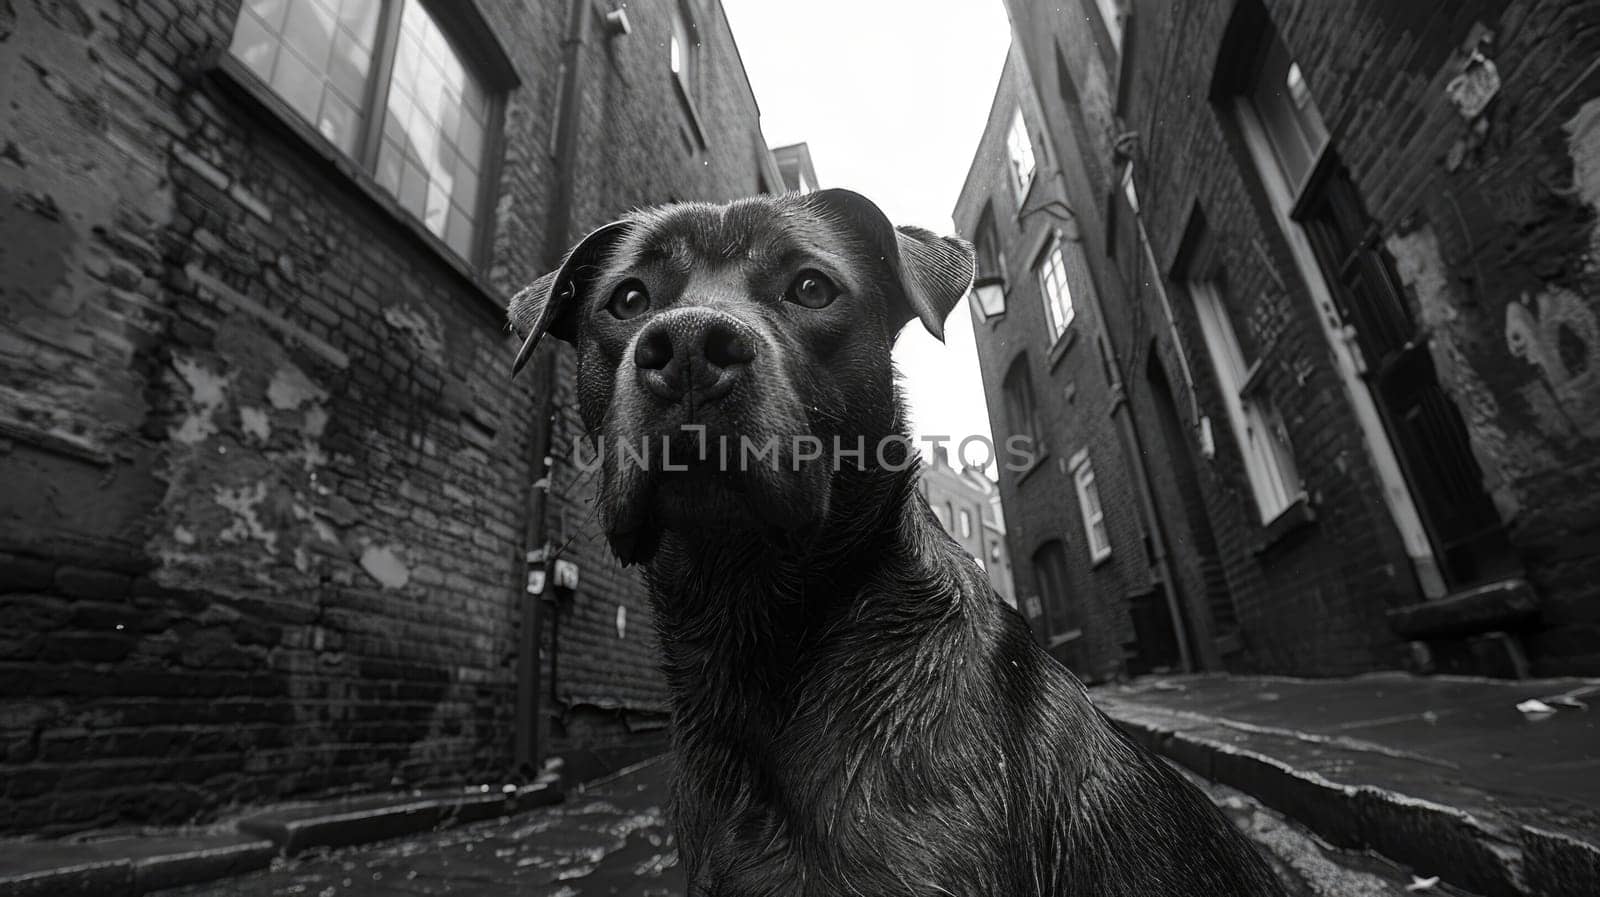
<point>1311,345</point>
<point>794,162</point>
<point>269,487</point>
<point>967,503</point>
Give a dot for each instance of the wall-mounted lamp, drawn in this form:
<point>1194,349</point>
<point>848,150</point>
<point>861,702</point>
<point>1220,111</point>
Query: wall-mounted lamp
<point>1055,208</point>
<point>617,24</point>
<point>989,293</point>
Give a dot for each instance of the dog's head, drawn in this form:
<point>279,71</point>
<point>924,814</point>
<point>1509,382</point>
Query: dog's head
<point>724,351</point>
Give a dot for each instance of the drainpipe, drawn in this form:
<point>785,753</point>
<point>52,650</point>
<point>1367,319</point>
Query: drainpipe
<point>1133,452</point>
<point>531,733</point>
<point>1133,456</point>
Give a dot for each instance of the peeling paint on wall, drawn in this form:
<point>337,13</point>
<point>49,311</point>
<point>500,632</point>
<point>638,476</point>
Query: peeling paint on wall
<point>1557,332</point>
<point>1583,144</point>
<point>384,564</point>
<point>243,503</point>
<point>207,394</point>
<point>421,326</point>
<point>255,423</point>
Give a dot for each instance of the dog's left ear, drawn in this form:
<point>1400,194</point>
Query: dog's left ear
<point>545,306</point>
<point>934,272</point>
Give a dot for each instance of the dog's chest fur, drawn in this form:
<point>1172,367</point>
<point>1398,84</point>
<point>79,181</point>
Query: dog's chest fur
<point>917,742</point>
<point>799,781</point>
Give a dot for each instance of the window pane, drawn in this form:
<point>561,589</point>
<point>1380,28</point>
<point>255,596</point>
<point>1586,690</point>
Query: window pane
<point>1020,147</point>
<point>359,19</point>
<point>1094,527</point>
<point>338,123</point>
<point>347,69</point>
<point>1052,273</point>
<point>441,134</point>
<point>465,193</point>
<point>414,189</point>
<point>315,55</point>
<point>309,31</point>
<point>458,231</point>
<point>255,45</point>
<point>271,12</point>
<point>298,84</point>
<point>1283,102</point>
<point>389,163</point>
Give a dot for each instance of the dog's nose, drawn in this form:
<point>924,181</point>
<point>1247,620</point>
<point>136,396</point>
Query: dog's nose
<point>693,353</point>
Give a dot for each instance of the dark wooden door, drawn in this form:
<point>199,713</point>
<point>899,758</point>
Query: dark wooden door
<point>1423,423</point>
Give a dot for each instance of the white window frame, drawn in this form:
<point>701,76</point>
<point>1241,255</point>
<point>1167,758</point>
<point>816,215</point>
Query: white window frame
<point>683,48</point>
<point>1019,149</point>
<point>1050,268</point>
<point>1097,537</point>
<point>966,523</point>
<point>1112,17</point>
<point>1257,428</point>
<point>1282,196</point>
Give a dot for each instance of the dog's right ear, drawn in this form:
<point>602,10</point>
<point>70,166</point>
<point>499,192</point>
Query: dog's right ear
<point>546,305</point>
<point>933,272</point>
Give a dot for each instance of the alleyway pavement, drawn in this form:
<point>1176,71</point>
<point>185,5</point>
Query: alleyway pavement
<point>1458,790</point>
<point>1443,773</point>
<point>612,839</point>
<point>609,839</point>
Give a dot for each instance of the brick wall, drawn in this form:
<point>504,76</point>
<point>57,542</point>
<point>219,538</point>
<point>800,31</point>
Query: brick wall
<point>1490,223</point>
<point>1073,398</point>
<point>266,472</point>
<point>642,145</point>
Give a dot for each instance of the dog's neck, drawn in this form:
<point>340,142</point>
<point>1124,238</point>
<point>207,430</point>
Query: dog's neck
<point>747,613</point>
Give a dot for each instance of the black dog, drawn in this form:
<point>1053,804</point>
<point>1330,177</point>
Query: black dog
<point>856,713</point>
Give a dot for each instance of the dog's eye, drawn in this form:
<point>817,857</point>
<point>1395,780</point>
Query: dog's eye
<point>811,289</point>
<point>628,301</point>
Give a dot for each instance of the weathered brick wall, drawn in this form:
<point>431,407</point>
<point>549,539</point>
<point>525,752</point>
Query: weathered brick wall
<point>1491,222</point>
<point>1491,226</point>
<point>265,471</point>
<point>640,148</point>
<point>1311,600</point>
<point>1070,387</point>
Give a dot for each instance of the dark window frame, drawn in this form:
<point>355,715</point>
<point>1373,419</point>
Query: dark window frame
<point>1060,622</point>
<point>479,51</point>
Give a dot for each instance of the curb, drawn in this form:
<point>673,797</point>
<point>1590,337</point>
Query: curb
<point>132,865</point>
<point>1494,857</point>
<point>363,821</point>
<point>138,865</point>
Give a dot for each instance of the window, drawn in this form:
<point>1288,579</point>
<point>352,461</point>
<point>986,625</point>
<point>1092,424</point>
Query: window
<point>383,83</point>
<point>1094,518</point>
<point>683,52</point>
<point>1019,146</point>
<point>1112,17</point>
<point>1257,426</point>
<point>1050,574</point>
<point>1280,100</point>
<point>943,513</point>
<point>1017,390</point>
<point>1051,269</point>
<point>966,523</point>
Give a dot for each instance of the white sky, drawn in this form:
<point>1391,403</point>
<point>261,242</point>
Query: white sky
<point>892,96</point>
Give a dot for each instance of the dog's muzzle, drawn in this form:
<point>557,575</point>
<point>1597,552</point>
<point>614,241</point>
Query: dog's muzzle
<point>692,355</point>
